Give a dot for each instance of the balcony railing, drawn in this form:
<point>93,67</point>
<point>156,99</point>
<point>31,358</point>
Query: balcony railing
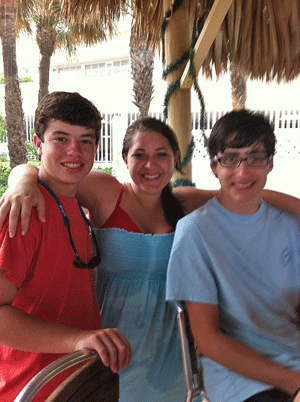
<point>286,126</point>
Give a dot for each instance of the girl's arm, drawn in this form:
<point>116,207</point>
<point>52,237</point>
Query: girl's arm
<point>193,198</point>
<point>282,201</point>
<point>98,192</point>
<point>20,197</point>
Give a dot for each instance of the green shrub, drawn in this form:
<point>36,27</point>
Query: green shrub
<point>3,157</point>
<point>25,79</point>
<point>32,154</point>
<point>2,128</point>
<point>4,172</point>
<point>21,79</point>
<point>107,170</point>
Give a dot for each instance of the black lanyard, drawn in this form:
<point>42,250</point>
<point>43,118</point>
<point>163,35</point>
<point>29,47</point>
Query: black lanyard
<point>66,219</point>
<point>78,262</point>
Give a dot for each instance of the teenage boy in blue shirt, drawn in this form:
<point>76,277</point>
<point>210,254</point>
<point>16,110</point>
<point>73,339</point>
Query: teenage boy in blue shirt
<point>236,264</point>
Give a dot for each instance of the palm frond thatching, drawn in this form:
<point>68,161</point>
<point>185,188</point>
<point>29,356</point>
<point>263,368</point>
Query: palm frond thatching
<point>265,40</point>
<point>107,10</point>
<point>260,37</point>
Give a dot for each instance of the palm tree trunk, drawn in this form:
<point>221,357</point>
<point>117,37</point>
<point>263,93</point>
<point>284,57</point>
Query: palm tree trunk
<point>45,38</point>
<point>44,72</point>
<point>238,88</point>
<point>142,65</point>
<point>13,102</point>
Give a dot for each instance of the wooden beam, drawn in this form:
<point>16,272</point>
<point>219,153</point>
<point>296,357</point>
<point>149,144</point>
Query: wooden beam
<point>207,36</point>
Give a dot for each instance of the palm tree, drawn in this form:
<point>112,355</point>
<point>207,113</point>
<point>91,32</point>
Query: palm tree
<point>15,127</point>
<point>238,82</point>
<point>54,32</point>
<point>142,65</point>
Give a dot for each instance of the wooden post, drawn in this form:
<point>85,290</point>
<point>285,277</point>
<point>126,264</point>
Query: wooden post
<point>177,42</point>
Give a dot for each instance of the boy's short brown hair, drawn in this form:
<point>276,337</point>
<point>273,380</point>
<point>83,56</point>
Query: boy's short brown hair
<point>69,107</point>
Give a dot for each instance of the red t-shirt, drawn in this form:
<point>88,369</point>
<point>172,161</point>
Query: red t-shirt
<point>51,288</point>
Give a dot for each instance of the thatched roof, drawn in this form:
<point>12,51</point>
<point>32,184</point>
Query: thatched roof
<point>261,37</point>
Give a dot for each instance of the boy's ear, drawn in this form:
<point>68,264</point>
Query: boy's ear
<point>125,158</point>
<point>271,164</point>
<point>213,166</point>
<point>38,144</point>
<point>176,158</point>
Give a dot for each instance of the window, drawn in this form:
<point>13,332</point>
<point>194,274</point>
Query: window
<point>108,68</point>
<point>94,70</point>
<point>67,72</point>
<point>99,69</point>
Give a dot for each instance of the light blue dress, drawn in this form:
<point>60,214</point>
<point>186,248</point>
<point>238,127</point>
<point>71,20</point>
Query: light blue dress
<point>131,287</point>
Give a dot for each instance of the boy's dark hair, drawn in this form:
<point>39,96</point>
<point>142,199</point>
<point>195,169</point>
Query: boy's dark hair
<point>171,206</point>
<point>239,129</point>
<point>69,107</point>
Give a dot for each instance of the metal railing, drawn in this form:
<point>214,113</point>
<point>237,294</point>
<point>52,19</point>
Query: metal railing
<point>110,139</point>
<point>49,372</point>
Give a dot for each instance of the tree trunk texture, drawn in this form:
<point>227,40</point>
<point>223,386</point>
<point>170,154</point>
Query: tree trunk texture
<point>45,38</point>
<point>142,65</point>
<point>238,88</point>
<point>15,126</point>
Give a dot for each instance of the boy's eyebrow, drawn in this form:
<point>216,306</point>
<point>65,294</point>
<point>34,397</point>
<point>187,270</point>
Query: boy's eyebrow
<point>60,132</point>
<point>93,135</point>
<point>253,151</point>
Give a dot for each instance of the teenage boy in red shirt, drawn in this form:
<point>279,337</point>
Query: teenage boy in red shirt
<point>48,305</point>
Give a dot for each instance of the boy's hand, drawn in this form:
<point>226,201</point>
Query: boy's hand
<point>112,347</point>
<point>22,331</point>
<point>17,203</point>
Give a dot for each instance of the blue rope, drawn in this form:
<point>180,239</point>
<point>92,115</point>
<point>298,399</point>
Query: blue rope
<point>183,182</point>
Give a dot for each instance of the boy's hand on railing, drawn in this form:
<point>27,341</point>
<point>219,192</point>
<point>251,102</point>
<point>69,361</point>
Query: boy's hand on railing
<point>112,347</point>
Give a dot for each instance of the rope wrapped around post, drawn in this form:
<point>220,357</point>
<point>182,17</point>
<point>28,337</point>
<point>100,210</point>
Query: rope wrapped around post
<point>175,86</point>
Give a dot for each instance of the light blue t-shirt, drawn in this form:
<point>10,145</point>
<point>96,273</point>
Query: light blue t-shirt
<point>249,265</point>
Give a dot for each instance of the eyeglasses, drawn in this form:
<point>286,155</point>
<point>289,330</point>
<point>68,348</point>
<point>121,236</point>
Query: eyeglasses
<point>94,260</point>
<point>256,161</point>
